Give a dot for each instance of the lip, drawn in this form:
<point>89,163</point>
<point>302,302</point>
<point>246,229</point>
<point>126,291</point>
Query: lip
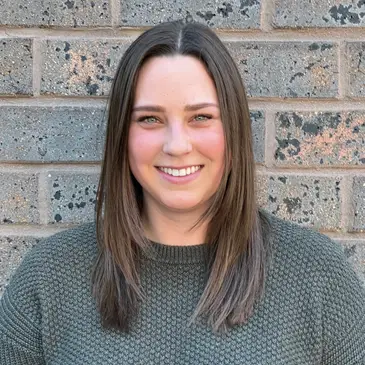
<point>179,180</point>
<point>179,167</point>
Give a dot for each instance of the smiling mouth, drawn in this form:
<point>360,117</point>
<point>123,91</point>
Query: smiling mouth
<point>180,172</point>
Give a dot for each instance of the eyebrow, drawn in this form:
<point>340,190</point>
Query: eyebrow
<point>157,108</point>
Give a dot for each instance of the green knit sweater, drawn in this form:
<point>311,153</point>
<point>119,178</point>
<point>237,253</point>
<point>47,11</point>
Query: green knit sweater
<point>313,310</point>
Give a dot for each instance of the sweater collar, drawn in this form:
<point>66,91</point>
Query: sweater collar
<point>177,254</point>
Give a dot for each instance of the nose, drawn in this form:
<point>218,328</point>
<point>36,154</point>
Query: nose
<point>177,140</point>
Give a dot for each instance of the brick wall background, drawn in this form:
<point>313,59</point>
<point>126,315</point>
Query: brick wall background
<point>303,64</point>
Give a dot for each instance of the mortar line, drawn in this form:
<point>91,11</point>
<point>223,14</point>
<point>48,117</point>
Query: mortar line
<point>49,167</point>
<point>30,230</point>
<point>280,35</point>
<point>115,13</point>
<point>276,104</point>
<point>266,15</point>
<point>348,236</point>
<point>342,70</point>
<point>311,171</point>
<point>43,198</point>
<point>53,101</point>
<point>269,138</point>
<point>308,105</point>
<point>37,66</point>
<point>346,209</point>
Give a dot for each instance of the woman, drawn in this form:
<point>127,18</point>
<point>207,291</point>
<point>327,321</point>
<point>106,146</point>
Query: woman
<point>182,268</point>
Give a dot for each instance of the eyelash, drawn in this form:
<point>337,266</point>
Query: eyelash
<point>144,119</point>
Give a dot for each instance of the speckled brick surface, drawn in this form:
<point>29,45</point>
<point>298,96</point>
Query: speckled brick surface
<point>51,133</point>
<point>12,251</point>
<point>355,253</point>
<point>359,203</point>
<point>312,201</point>
<point>258,135</point>
<point>285,69</point>
<point>72,197</point>
<point>66,13</point>
<point>18,198</point>
<point>320,138</point>
<point>78,67</point>
<point>319,13</point>
<point>356,69</point>
<point>216,14</point>
<point>16,66</point>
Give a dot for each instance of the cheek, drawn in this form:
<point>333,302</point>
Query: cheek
<point>142,147</point>
<point>211,144</point>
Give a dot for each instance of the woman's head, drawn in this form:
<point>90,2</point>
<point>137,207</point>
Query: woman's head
<point>139,146</point>
<point>157,59</point>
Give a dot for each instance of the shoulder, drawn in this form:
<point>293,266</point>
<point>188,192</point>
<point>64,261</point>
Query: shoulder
<point>303,245</point>
<point>75,246</point>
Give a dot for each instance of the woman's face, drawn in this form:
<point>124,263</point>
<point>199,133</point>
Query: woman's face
<point>176,138</point>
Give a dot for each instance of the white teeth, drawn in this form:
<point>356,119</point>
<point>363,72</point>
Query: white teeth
<point>181,172</point>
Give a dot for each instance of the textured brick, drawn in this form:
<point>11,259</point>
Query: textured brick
<point>15,66</point>
<point>308,200</point>
<point>51,133</point>
<point>284,69</point>
<point>67,13</point>
<point>319,13</point>
<point>320,138</point>
<point>261,185</point>
<point>220,14</point>
<point>12,250</point>
<point>80,67</point>
<point>19,198</point>
<point>356,68</point>
<point>72,197</point>
<point>359,203</point>
<point>355,253</point>
<point>258,135</point>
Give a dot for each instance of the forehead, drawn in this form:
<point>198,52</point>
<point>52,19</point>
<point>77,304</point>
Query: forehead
<point>174,78</point>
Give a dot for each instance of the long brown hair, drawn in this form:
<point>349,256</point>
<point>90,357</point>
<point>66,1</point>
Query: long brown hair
<point>236,229</point>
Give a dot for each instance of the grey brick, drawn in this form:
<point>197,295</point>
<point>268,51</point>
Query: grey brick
<point>72,197</point>
<point>80,67</point>
<point>355,253</point>
<point>359,203</point>
<point>258,135</point>
<point>308,200</point>
<point>261,186</point>
<point>12,251</point>
<point>320,138</point>
<point>319,13</point>
<point>285,69</point>
<point>70,13</point>
<point>19,198</point>
<point>220,14</point>
<point>356,68</point>
<point>51,133</point>
<point>16,66</point>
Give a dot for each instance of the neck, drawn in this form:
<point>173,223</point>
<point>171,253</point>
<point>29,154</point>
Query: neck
<point>174,228</point>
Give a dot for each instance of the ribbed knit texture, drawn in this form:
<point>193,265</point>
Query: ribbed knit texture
<point>313,311</point>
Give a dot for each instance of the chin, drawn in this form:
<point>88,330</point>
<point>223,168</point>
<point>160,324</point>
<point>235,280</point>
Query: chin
<point>182,205</point>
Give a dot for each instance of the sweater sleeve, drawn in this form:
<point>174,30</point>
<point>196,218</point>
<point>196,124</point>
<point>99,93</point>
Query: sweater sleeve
<point>20,316</point>
<point>343,316</point>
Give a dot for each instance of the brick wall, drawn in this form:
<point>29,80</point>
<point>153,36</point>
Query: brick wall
<point>303,64</point>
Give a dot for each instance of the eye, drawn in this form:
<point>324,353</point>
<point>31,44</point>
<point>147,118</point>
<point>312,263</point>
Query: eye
<point>147,120</point>
<point>202,117</point>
